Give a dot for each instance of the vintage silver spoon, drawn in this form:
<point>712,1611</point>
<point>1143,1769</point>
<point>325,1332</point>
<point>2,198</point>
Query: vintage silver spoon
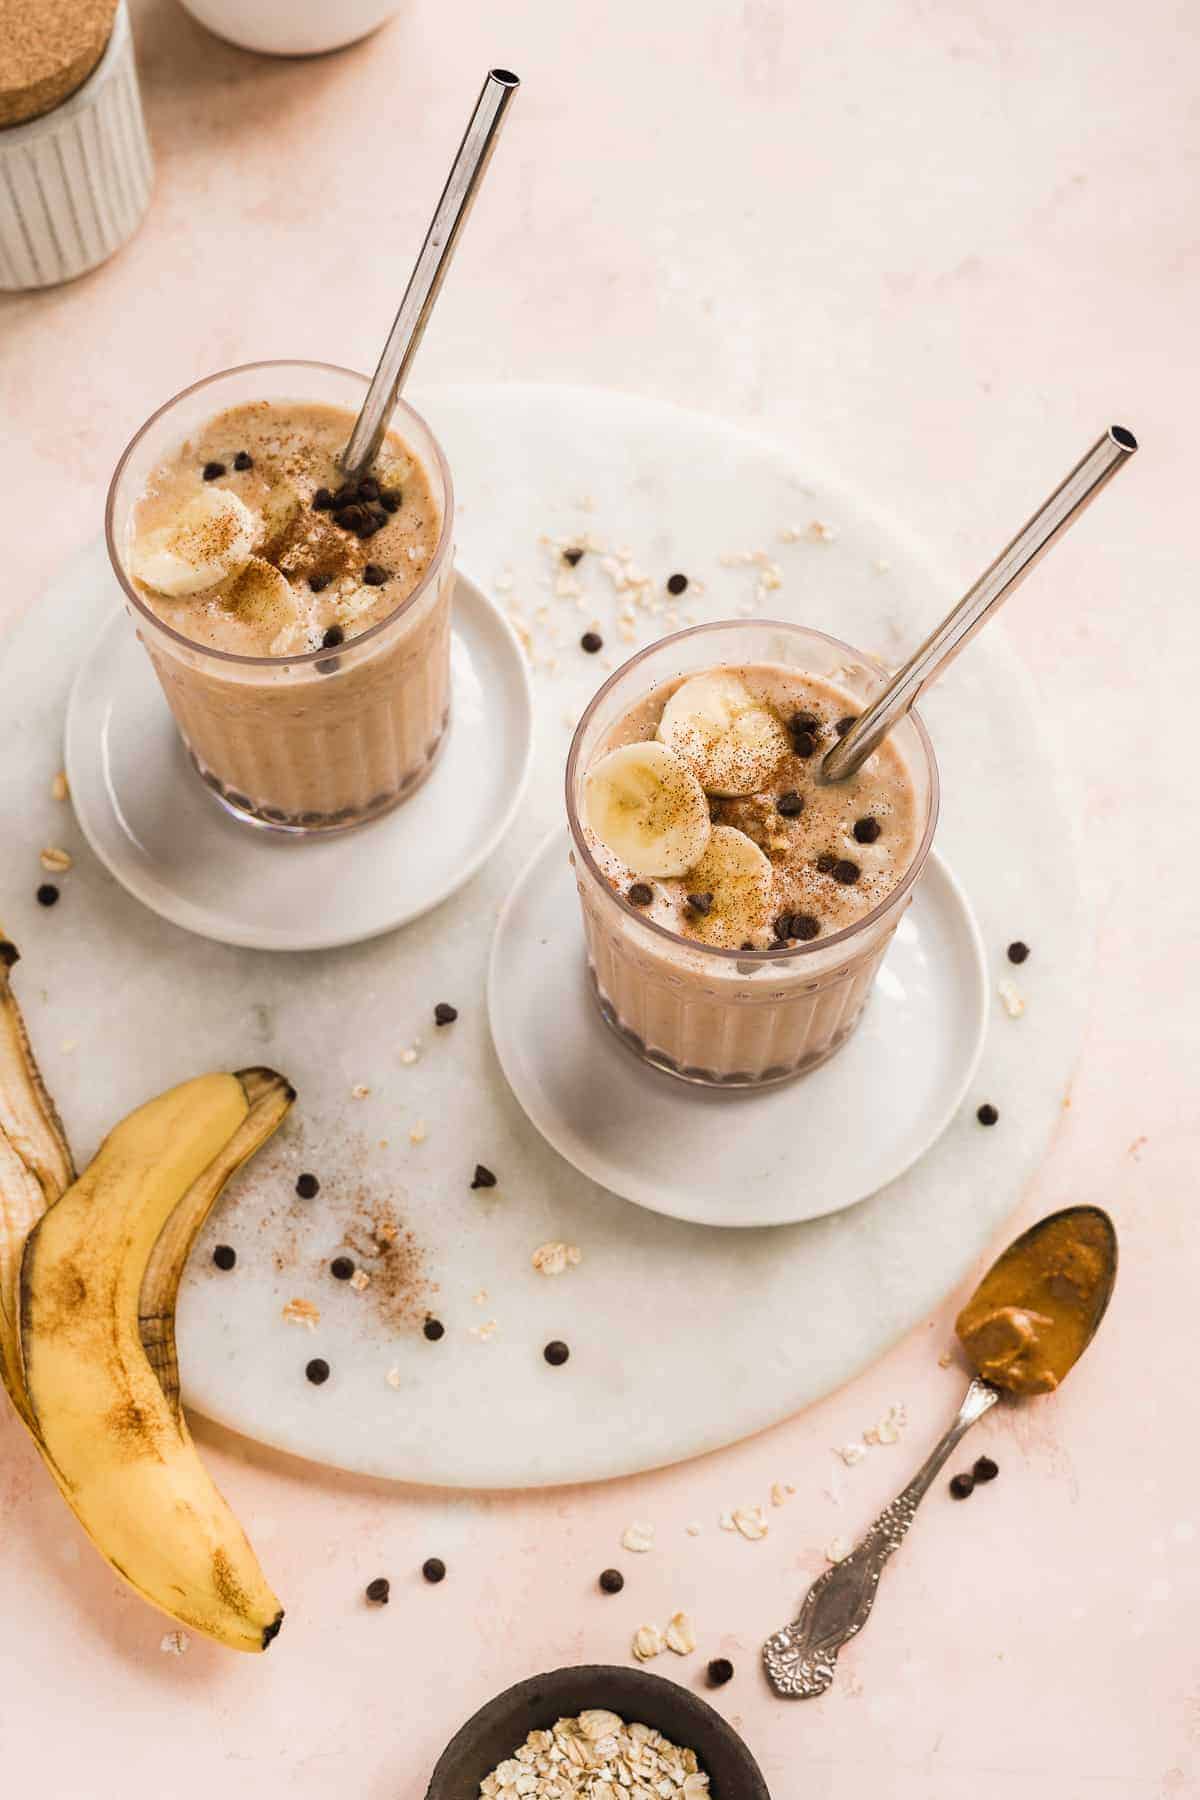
<point>799,1660</point>
<point>462,184</point>
<point>977,605</point>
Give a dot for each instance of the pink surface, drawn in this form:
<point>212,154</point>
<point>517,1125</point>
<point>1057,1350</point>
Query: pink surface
<point>954,241</point>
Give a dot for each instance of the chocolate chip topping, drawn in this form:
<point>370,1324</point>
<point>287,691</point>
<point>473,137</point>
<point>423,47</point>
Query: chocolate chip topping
<point>322,500</point>
<point>843,725</point>
<point>391,500</point>
<point>846,872</point>
<point>804,721</point>
<point>374,575</point>
<point>243,460</point>
<point>368,488</point>
<point>701,904</point>
<point>213,471</point>
<point>866,830</point>
<point>318,583</point>
<point>790,805</point>
<point>804,743</point>
<point>640,894</point>
<point>826,863</point>
<point>805,927</point>
<point>333,637</point>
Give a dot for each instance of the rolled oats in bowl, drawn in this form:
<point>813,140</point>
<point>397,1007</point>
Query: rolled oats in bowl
<point>597,1756</point>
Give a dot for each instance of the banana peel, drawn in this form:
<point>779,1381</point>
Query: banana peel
<point>89,1277</point>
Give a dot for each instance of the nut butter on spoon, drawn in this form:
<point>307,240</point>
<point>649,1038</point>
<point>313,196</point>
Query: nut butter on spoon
<point>1024,1328</point>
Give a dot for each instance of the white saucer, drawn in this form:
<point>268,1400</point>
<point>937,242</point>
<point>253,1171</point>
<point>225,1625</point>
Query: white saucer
<point>158,830</point>
<point>794,1152</point>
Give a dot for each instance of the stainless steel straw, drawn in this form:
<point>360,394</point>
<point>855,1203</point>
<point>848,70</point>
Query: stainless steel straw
<point>978,604</point>
<point>474,154</point>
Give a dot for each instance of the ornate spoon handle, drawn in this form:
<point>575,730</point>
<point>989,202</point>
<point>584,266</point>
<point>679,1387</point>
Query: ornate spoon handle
<point>799,1659</point>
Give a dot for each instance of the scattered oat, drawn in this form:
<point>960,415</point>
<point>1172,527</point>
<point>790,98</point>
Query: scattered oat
<point>59,788</point>
<point>485,1331</point>
<point>780,1493</point>
<point>881,565</point>
<point>69,1045</point>
<point>302,1312</point>
<point>751,1521</point>
<point>175,1643</point>
<point>360,1280</point>
<point>360,1092</point>
<point>393,1376</point>
<point>1135,1148</point>
<point>54,861</point>
<point>837,1550</point>
<point>409,1056</point>
<point>821,534</point>
<point>1009,993</point>
<point>386,1232</point>
<point>418,1133</point>
<point>726,1522</point>
<point>480,1298</point>
<point>680,1635</point>
<point>504,582</point>
<point>556,1258</point>
<point>889,1427</point>
<point>638,1537</point>
<point>694,1529</point>
<point>647,1642</point>
<point>851,1454</point>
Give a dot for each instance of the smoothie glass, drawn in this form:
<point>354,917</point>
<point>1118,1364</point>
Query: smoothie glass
<point>735,1018</point>
<point>323,741</point>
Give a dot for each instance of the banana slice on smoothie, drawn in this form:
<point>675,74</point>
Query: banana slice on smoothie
<point>731,742</point>
<point>261,597</point>
<point>648,808</point>
<point>732,884</point>
<point>210,541</point>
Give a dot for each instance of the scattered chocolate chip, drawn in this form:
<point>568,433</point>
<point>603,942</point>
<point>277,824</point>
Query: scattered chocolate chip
<point>846,872</point>
<point>224,1256</point>
<point>444,1013</point>
<point>375,575</point>
<point>805,721</point>
<point>1018,952</point>
<point>987,1114</point>
<point>719,1671</point>
<point>556,1353</point>
<point>368,488</point>
<point>379,1590</point>
<point>790,805</point>
<point>483,1177</point>
<point>391,500</point>
<point>350,518</point>
<point>641,893</point>
<point>333,637</point>
<point>804,743</point>
<point>700,903</point>
<point>368,525</point>
<point>962,1486</point>
<point>573,556</point>
<point>341,1268</point>
<point>433,1569</point>
<point>783,927</point>
<point>317,1370</point>
<point>47,894</point>
<point>243,460</point>
<point>805,927</point>
<point>591,641</point>
<point>434,1329</point>
<point>677,584</point>
<point>843,725</point>
<point>322,500</point>
<point>866,830</point>
<point>826,863</point>
<point>307,1186</point>
<point>213,470</point>
<point>985,1469</point>
<point>346,495</point>
<point>611,1581</point>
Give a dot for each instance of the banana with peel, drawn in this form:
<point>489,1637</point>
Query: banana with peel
<point>89,1276</point>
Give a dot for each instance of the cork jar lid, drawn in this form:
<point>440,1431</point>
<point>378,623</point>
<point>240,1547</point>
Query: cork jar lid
<point>48,48</point>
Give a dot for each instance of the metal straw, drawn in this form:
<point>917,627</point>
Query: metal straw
<point>474,154</point>
<point>979,603</point>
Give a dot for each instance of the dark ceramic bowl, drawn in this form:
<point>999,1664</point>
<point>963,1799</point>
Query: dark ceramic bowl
<point>504,1723</point>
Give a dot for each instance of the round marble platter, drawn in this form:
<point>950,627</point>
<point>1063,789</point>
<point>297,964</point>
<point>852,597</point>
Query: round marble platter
<point>683,1338</point>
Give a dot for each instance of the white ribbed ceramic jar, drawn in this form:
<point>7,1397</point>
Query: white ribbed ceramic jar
<point>75,183</point>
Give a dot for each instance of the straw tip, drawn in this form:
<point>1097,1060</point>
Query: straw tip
<point>505,77</point>
<point>1121,434</point>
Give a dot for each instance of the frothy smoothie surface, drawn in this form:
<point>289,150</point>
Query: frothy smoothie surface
<point>702,808</point>
<point>246,539</point>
